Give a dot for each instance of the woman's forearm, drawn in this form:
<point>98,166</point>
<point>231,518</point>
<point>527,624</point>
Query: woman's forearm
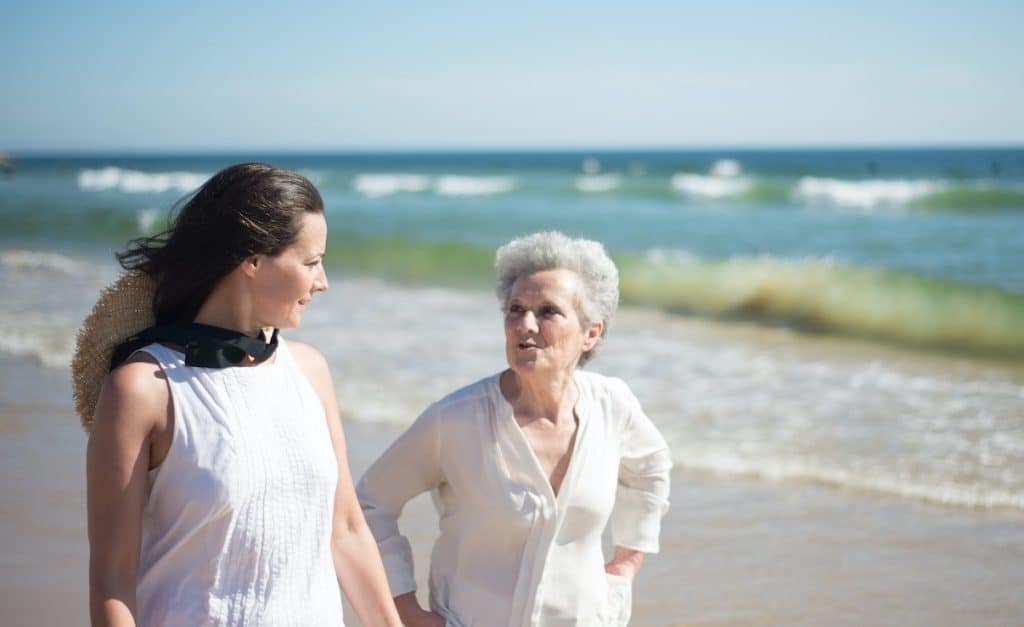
<point>111,605</point>
<point>362,578</point>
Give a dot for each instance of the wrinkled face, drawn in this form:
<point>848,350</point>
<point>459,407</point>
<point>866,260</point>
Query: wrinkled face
<point>284,284</point>
<point>543,330</point>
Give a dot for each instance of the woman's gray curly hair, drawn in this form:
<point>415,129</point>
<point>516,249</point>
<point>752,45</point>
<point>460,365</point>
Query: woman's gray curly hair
<point>552,250</point>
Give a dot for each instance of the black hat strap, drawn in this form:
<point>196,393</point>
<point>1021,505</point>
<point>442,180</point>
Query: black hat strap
<point>204,346</point>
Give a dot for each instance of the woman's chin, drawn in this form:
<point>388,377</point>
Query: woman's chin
<point>527,366</point>
<point>291,322</point>
<point>520,365</point>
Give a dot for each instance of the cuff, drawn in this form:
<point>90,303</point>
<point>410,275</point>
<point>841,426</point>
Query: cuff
<point>636,520</point>
<point>396,554</point>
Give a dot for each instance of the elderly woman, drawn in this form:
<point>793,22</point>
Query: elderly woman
<point>527,466</point>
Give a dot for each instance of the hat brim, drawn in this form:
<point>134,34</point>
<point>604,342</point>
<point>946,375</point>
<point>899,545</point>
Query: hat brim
<point>124,308</point>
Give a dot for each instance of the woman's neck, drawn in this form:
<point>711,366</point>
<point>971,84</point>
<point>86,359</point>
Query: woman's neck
<point>228,311</point>
<point>543,395</point>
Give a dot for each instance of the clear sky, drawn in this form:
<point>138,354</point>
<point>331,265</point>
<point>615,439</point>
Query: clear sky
<point>451,75</point>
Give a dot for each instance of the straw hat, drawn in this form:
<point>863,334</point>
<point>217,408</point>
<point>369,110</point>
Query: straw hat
<point>123,309</point>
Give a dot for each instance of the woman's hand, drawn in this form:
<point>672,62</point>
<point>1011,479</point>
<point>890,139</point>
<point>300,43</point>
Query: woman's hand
<point>625,563</point>
<point>413,615</point>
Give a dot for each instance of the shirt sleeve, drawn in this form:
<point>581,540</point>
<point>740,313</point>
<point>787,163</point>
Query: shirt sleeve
<point>409,467</point>
<point>641,499</point>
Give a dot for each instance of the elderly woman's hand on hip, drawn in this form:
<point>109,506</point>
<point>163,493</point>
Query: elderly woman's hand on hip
<point>413,615</point>
<point>625,563</point>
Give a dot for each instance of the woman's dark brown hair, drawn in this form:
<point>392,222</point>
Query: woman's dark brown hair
<point>243,210</point>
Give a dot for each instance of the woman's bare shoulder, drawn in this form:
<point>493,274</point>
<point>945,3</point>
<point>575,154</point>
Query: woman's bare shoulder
<point>135,393</point>
<point>306,355</point>
<point>310,360</point>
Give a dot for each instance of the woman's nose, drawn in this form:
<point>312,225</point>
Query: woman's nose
<point>528,322</point>
<point>321,284</point>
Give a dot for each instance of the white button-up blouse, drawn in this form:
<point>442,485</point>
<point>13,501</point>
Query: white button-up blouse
<point>511,552</point>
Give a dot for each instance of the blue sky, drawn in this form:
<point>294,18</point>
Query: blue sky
<point>403,75</point>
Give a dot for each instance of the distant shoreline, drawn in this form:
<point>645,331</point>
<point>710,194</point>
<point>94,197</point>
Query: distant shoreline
<point>156,152</point>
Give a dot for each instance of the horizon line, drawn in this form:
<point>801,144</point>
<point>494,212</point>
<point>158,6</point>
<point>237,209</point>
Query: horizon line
<point>467,150</point>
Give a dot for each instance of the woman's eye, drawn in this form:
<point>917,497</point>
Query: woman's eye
<point>550,311</point>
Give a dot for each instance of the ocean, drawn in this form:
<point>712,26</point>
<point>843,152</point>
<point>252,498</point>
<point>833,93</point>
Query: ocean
<point>832,341</point>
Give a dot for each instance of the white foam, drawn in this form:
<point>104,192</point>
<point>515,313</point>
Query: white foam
<point>714,187</point>
<point>134,182</point>
<point>723,180</point>
<point>598,183</point>
<point>147,219</point>
<point>886,379</point>
<point>765,403</point>
<point>49,339</point>
<point>945,492</point>
<point>725,168</point>
<point>867,194</point>
<point>32,260</point>
<point>377,185</point>
<point>106,178</point>
<point>474,185</point>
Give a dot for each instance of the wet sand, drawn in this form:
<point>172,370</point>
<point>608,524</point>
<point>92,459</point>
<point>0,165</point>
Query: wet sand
<point>734,552</point>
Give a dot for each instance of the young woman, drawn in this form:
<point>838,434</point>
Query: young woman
<point>218,487</point>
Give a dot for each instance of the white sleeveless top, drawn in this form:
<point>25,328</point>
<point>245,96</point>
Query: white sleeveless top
<point>237,526</point>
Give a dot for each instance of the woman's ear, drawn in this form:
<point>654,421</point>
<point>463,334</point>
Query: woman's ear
<point>250,264</point>
<point>593,335</point>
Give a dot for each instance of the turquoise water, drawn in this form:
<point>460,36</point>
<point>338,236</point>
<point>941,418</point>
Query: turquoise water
<point>854,319</point>
<point>921,247</point>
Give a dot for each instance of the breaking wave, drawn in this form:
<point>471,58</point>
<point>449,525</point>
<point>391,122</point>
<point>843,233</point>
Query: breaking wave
<point>136,182</point>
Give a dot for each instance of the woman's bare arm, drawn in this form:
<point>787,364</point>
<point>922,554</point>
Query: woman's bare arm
<point>133,405</point>
<point>356,558</point>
